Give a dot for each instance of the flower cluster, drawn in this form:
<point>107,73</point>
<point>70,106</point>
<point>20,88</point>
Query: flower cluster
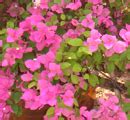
<point>49,55</point>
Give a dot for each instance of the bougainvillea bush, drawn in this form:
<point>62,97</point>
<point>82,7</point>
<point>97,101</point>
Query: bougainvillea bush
<point>54,53</point>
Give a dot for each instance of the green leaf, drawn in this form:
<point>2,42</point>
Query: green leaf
<point>61,118</point>
<point>83,50</point>
<point>86,33</point>
<point>87,11</point>
<point>93,80</point>
<point>57,1</point>
<point>126,107</point>
<point>28,56</point>
<point>50,112</point>
<point>75,42</point>
<point>59,56</point>
<point>76,67</point>
<point>74,79</point>
<point>85,87</point>
<point>128,54</point>
<point>17,109</point>
<point>86,76</point>
<point>10,24</point>
<point>5,46</point>
<point>32,84</point>
<point>128,116</point>
<point>76,102</point>
<point>3,31</point>
<point>70,55</point>
<point>62,23</point>
<point>97,57</point>
<point>63,17</point>
<point>110,67</point>
<point>65,65</point>
<point>16,96</point>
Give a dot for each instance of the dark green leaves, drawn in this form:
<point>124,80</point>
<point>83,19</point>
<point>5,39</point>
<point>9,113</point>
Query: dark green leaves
<point>17,109</point>
<point>76,67</point>
<point>16,96</point>
<point>93,80</point>
<point>74,79</point>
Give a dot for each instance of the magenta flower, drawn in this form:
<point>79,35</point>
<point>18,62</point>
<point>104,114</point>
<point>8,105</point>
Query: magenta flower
<point>109,52</point>
<point>44,4</point>
<point>95,1</point>
<point>93,44</point>
<point>109,41</point>
<point>33,65</point>
<point>74,22</point>
<point>54,70</point>
<point>48,93</point>
<point>74,6</point>
<point>32,101</point>
<point>46,58</point>
<point>120,47</point>
<point>95,34</point>
<point>1,43</point>
<point>68,98</point>
<point>88,22</point>
<point>5,111</point>
<point>57,8</point>
<point>125,35</point>
<point>14,10</point>
<point>14,35</point>
<point>11,55</point>
<point>27,77</point>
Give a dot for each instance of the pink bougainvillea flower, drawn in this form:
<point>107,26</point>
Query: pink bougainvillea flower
<point>57,8</point>
<point>93,44</point>
<point>74,6</point>
<point>109,52</point>
<point>109,41</point>
<point>63,111</point>
<point>48,93</point>
<point>105,20</point>
<point>95,34</point>
<point>88,22</point>
<point>1,43</point>
<point>68,98</point>
<point>35,10</point>
<point>13,34</point>
<point>74,22</point>
<point>95,1</point>
<point>125,35</point>
<point>48,96</point>
<point>127,66</point>
<point>54,70</point>
<point>33,65</point>
<point>15,10</point>
<point>27,77</point>
<point>44,4</point>
<point>5,111</point>
<point>98,9</point>
<point>31,99</point>
<point>6,82</point>
<point>113,30</point>
<point>35,19</point>
<point>37,36</point>
<point>46,58</point>
<point>11,55</point>
<point>1,1</point>
<point>120,47</point>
